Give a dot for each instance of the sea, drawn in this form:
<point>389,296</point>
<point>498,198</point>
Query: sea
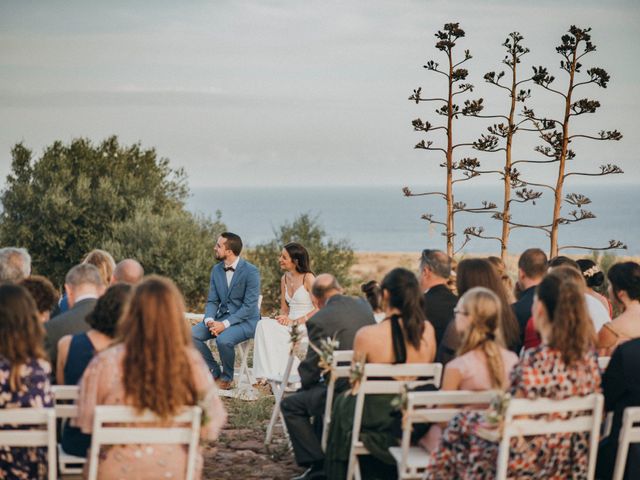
<point>382,219</point>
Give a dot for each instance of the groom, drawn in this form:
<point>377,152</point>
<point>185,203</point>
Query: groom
<point>232,310</point>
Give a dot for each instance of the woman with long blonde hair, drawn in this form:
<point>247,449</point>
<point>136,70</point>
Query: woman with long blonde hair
<point>152,367</point>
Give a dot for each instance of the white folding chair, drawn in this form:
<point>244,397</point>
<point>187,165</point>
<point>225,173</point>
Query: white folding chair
<point>104,434</point>
<point>603,363</point>
<point>340,368</point>
<point>431,407</point>
<point>279,385</point>
<point>375,381</point>
<point>35,417</point>
<point>629,433</point>
<point>65,398</point>
<point>518,422</point>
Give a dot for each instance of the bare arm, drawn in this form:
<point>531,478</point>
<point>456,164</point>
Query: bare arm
<point>284,307</point>
<point>451,378</point>
<point>63,353</point>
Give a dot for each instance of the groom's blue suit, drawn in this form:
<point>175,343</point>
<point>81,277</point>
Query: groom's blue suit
<point>237,304</point>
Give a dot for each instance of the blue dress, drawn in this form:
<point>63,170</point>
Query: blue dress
<point>25,463</point>
<point>81,351</point>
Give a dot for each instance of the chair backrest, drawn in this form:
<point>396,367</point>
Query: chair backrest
<point>340,368</point>
<point>519,423</point>
<point>629,433</point>
<point>603,363</point>
<point>104,434</point>
<point>436,407</point>
<point>65,398</point>
<point>35,417</point>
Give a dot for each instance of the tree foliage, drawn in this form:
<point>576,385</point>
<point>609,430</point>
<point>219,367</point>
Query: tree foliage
<point>327,256</point>
<point>81,196</point>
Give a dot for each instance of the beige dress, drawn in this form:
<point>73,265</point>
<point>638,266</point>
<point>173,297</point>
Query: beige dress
<point>475,372</point>
<point>102,384</point>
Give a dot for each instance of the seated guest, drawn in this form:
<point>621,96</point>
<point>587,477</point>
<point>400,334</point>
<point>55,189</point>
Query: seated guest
<point>478,272</point>
<point>339,317</point>
<point>563,366</point>
<point>624,279</point>
<point>24,376</point>
<point>501,268</point>
<point>105,264</point>
<point>127,271</point>
<point>15,264</point>
<point>44,294</point>
<point>482,361</point>
<point>75,352</point>
<point>621,388</point>
<point>532,267</point>
<point>373,294</point>
<point>155,367</point>
<point>594,278</point>
<point>439,301</point>
<point>403,337</point>
<point>83,286</point>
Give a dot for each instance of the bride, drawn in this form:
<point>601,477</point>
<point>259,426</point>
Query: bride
<point>271,341</point>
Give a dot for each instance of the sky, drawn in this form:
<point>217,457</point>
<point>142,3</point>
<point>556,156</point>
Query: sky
<point>275,93</point>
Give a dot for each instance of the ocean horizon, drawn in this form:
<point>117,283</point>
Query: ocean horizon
<point>381,218</point>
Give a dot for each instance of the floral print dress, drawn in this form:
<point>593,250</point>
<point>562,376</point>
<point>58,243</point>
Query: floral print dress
<point>541,373</point>
<point>25,463</point>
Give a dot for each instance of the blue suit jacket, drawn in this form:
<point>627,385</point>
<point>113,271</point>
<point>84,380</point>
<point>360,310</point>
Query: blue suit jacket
<point>239,301</point>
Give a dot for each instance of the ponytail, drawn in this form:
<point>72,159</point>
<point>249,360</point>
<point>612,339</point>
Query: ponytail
<point>405,295</point>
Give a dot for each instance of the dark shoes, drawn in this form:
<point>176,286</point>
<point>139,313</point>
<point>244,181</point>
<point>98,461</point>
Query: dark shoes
<point>316,473</point>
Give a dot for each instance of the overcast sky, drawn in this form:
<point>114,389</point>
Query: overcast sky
<point>292,92</point>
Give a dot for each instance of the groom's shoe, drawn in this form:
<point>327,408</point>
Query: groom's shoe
<point>224,384</point>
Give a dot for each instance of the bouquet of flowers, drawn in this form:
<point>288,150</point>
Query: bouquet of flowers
<point>325,352</point>
<point>492,426</point>
<point>357,372</point>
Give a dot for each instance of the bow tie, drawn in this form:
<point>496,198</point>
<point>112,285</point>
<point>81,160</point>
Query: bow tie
<point>229,269</point>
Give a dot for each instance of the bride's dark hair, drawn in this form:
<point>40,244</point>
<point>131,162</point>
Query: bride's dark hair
<point>299,257</point>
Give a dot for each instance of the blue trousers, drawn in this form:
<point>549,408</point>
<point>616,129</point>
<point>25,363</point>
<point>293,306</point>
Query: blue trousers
<point>225,342</point>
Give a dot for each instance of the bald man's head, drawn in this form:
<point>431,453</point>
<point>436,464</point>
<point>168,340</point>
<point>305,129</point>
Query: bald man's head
<point>325,287</point>
<point>128,271</point>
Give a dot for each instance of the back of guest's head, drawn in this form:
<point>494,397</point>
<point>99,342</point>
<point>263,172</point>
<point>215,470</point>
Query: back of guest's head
<point>562,261</point>
<point>478,272</point>
<point>625,277</point>
<point>403,292</point>
<point>21,333</point>
<point>15,264</point>
<point>104,263</point>
<point>484,311</point>
<point>108,310</point>
<point>437,261</point>
<point>373,294</point>
<point>570,274</point>
<point>533,263</point>
<point>501,268</point>
<point>564,303</point>
<point>157,340</point>
<point>42,291</point>
<point>325,284</point>
<point>84,274</point>
<point>233,242</point>
<point>128,271</point>
<point>591,272</point>
<point>299,256</point>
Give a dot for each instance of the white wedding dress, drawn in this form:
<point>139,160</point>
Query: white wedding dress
<point>271,341</point>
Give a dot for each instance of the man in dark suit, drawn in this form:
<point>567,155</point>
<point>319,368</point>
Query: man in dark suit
<point>439,301</point>
<point>532,267</point>
<point>231,313</point>
<point>341,317</point>
<point>83,286</point>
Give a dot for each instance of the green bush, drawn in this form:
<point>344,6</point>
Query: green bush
<point>327,256</point>
<point>125,199</point>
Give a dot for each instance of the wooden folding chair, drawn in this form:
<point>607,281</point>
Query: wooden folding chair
<point>105,433</point>
<point>66,398</point>
<point>629,433</point>
<point>340,368</point>
<point>43,437</point>
<point>518,422</point>
<point>377,380</point>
